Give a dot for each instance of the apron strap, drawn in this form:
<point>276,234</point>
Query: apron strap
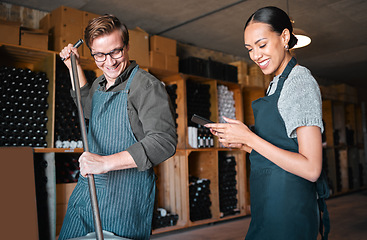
<point>286,73</point>
<point>127,87</point>
<point>324,219</point>
<point>323,193</point>
<point>288,68</point>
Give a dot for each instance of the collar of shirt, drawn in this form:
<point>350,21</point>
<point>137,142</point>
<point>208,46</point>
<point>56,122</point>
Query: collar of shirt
<point>122,78</point>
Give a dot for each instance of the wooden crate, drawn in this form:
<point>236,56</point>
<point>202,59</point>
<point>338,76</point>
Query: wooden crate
<point>10,32</point>
<point>350,120</point>
<point>346,93</point>
<point>242,71</point>
<point>327,115</point>
<point>256,76</point>
<point>87,16</point>
<point>353,166</point>
<point>172,189</point>
<point>164,45</point>
<point>63,192</point>
<point>242,178</point>
<point>204,164</point>
<point>339,121</point>
<point>359,125</point>
<point>331,169</point>
<point>35,60</point>
<point>343,154</point>
<point>249,95</point>
<point>181,110</point>
<point>363,164</point>
<point>328,93</point>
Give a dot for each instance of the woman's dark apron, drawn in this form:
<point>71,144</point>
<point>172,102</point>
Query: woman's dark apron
<point>125,197</point>
<point>283,205</point>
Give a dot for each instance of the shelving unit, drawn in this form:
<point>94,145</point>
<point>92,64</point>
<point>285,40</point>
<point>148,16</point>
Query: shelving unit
<point>344,149</point>
<point>173,174</point>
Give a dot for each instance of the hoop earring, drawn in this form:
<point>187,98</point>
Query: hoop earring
<point>286,47</point>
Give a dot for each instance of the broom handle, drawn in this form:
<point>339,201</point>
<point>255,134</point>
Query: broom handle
<point>91,183</point>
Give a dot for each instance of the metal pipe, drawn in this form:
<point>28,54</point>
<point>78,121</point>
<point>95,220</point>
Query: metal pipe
<point>91,183</point>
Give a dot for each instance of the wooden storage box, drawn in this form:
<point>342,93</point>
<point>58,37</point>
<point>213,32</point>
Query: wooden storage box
<point>171,63</point>
<point>9,32</point>
<point>346,93</point>
<point>339,123</point>
<point>359,125</point>
<point>157,60</point>
<point>63,192</point>
<point>353,168</point>
<point>327,115</point>
<point>242,183</point>
<point>204,165</point>
<point>329,93</point>
<point>181,109</point>
<point>172,191</point>
<point>242,71</point>
<point>87,16</point>
<point>139,47</point>
<point>249,95</point>
<point>344,169</point>
<point>256,77</point>
<point>65,26</point>
<point>350,124</point>
<point>332,170</point>
<point>164,45</point>
<point>34,38</point>
<point>35,60</point>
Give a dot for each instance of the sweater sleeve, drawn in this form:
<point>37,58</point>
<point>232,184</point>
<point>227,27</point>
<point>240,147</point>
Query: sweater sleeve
<point>300,101</point>
<point>152,110</point>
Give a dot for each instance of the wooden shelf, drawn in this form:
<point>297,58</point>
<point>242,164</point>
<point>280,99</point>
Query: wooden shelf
<point>58,150</point>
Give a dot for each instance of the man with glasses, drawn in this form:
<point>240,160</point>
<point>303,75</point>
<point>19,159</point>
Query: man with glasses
<point>131,130</point>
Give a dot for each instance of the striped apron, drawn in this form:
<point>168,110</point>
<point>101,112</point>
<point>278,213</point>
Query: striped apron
<point>125,197</point>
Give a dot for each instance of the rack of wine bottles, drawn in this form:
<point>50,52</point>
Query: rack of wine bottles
<point>226,103</point>
<point>198,100</point>
<point>23,98</point>
<point>172,93</point>
<point>67,168</point>
<point>199,198</point>
<point>163,218</point>
<point>200,137</point>
<point>227,185</point>
<point>67,126</point>
<point>338,171</point>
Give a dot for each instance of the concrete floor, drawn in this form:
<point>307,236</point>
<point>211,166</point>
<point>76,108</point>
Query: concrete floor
<point>348,217</point>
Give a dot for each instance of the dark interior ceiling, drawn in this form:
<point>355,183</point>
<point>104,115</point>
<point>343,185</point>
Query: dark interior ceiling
<point>338,28</point>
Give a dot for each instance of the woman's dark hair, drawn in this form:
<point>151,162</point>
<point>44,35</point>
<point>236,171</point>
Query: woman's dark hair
<point>277,19</point>
<point>102,25</point>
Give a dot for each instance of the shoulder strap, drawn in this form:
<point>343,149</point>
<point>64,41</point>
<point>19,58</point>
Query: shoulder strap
<point>285,73</point>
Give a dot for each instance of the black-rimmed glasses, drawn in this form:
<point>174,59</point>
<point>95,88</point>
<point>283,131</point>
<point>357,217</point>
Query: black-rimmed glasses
<point>115,54</point>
